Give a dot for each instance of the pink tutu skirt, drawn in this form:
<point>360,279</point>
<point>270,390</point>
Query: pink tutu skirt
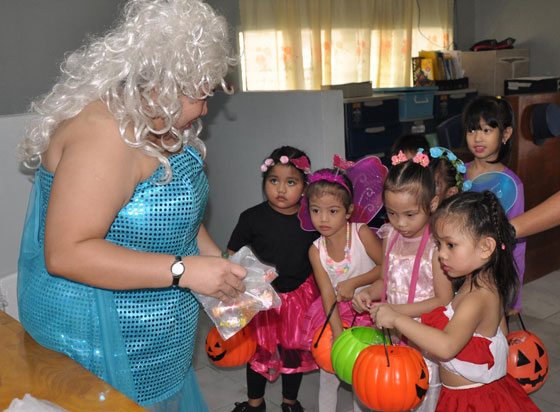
<point>278,334</point>
<point>315,318</point>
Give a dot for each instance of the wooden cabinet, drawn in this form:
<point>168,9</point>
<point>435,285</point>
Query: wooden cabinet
<point>539,169</point>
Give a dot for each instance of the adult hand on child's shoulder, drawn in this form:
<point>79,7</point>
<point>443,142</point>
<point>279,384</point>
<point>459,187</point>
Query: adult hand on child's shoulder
<point>214,276</point>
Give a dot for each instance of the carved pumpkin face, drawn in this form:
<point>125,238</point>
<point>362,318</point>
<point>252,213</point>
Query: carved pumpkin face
<point>235,351</point>
<point>399,386</point>
<point>527,360</point>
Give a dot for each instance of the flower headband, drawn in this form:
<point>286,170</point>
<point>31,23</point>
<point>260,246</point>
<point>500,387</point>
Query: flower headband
<point>302,163</point>
<point>420,158</point>
<point>458,165</point>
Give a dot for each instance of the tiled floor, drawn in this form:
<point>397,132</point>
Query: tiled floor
<point>541,306</point>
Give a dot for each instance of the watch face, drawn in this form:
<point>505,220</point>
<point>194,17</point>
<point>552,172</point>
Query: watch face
<point>177,268</point>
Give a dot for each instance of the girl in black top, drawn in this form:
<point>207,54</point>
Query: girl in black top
<point>273,232</point>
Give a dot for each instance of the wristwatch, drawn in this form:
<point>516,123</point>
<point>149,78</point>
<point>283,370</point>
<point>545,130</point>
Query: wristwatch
<point>177,270</point>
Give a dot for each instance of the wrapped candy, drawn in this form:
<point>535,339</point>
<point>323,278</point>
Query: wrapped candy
<point>259,295</point>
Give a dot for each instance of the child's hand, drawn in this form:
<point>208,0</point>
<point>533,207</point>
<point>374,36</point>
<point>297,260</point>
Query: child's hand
<point>383,315</point>
<point>362,301</point>
<point>344,291</point>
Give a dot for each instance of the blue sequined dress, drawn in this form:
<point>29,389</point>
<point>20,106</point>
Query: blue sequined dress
<point>139,341</point>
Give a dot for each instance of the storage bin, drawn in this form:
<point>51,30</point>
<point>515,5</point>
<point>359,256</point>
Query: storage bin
<point>532,85</point>
<point>414,102</point>
<point>371,112</point>
<point>450,103</point>
<point>370,140</point>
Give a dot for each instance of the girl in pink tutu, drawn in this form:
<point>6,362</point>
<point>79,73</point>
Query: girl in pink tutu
<point>475,248</point>
<point>272,230</point>
<point>344,258</point>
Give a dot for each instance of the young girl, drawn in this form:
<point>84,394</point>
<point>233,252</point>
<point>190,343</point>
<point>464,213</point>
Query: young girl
<point>475,243</point>
<point>488,122</point>
<point>273,231</point>
<point>448,172</point>
<point>343,260</point>
<point>411,271</point>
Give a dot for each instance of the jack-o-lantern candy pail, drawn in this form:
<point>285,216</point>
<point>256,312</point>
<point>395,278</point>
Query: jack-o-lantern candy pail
<point>527,360</point>
<point>394,386</point>
<point>348,346</point>
<point>236,351</point>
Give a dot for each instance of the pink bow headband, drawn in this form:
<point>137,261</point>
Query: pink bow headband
<point>328,176</point>
<point>338,163</point>
<point>302,163</point>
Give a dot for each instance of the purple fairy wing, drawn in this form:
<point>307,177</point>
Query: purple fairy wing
<point>367,176</point>
<point>304,216</point>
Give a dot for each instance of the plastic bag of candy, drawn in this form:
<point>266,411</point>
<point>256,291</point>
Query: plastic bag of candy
<point>259,295</point>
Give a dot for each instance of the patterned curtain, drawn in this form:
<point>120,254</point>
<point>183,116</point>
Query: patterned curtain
<point>304,44</point>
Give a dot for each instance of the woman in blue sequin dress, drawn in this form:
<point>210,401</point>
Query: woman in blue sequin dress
<point>115,215</point>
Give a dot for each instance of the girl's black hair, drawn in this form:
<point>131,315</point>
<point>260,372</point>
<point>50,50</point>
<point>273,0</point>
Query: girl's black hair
<point>322,187</point>
<point>441,165</point>
<point>496,113</point>
<point>410,143</point>
<point>412,178</point>
<point>482,215</point>
<point>291,153</point>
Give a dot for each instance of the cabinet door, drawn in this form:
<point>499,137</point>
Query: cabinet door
<point>371,113</point>
<point>375,140</point>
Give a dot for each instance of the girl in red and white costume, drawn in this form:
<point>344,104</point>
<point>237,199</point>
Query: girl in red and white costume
<point>475,243</point>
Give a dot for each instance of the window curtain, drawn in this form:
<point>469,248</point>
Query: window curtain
<point>304,44</point>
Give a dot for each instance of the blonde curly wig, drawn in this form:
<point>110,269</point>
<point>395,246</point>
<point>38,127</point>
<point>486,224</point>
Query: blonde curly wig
<point>177,47</point>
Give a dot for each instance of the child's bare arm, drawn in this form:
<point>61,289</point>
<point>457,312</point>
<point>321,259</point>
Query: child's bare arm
<point>328,296</point>
<point>443,293</point>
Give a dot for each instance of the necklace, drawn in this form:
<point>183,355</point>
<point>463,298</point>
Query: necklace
<point>342,267</point>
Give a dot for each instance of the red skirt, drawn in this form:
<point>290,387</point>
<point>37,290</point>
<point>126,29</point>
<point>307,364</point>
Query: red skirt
<point>278,334</point>
<point>505,395</point>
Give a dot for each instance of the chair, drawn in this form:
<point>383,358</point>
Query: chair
<point>450,132</point>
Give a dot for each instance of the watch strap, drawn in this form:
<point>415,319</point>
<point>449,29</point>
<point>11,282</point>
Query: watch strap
<point>177,276</point>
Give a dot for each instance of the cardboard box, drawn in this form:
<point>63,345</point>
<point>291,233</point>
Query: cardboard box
<point>351,89</point>
<point>524,85</point>
<point>487,70</point>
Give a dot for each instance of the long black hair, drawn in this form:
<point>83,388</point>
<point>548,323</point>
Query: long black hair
<point>481,215</point>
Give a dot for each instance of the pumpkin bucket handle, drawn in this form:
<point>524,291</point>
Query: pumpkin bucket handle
<point>354,318</point>
<point>386,332</point>
<point>331,310</point>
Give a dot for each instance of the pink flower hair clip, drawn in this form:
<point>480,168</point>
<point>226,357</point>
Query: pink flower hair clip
<point>398,158</point>
<point>267,163</point>
<point>421,158</point>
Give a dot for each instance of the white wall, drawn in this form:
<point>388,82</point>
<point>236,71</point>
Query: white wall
<point>534,25</point>
<point>35,35</point>
<point>14,192</point>
<point>244,128</point>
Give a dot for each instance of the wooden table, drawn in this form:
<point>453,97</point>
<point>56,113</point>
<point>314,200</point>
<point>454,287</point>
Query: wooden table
<point>27,367</point>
